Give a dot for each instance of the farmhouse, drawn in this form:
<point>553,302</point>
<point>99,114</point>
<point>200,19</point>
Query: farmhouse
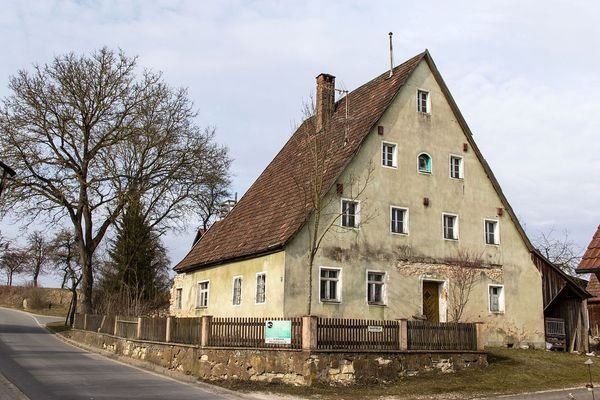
<point>380,206</point>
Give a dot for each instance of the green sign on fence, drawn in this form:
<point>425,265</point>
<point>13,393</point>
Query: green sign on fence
<point>278,332</point>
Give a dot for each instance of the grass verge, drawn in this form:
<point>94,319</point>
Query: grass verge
<point>58,327</point>
<point>509,371</point>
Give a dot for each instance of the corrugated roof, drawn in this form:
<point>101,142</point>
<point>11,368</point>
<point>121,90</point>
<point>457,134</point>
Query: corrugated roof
<point>590,262</point>
<point>274,208</point>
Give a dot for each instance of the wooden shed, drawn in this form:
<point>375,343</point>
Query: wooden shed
<point>565,306</point>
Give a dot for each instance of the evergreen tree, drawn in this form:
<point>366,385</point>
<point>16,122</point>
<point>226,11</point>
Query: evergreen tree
<point>136,274</point>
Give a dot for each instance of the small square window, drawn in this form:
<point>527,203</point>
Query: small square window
<point>456,167</point>
<point>424,163</point>
<point>178,298</point>
<point>496,298</point>
<point>399,220</point>
<point>375,287</point>
<point>261,288</point>
<point>491,232</point>
<point>202,301</point>
<point>423,101</point>
<point>388,155</point>
<point>237,291</point>
<point>350,213</point>
<point>330,285</point>
<point>450,226</point>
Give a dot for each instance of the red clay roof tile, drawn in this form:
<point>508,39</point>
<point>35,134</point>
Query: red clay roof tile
<point>591,258</point>
<point>274,209</point>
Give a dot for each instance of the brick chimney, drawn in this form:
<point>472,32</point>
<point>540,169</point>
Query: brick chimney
<point>325,99</point>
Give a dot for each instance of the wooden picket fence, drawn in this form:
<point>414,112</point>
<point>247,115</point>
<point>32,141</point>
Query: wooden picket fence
<point>186,330</point>
<point>357,334</point>
<point>320,333</point>
<point>250,332</point>
<point>424,335</point>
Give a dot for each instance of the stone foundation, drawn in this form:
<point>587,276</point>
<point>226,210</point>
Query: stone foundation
<point>285,366</point>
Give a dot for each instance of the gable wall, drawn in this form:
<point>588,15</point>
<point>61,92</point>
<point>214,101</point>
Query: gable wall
<point>410,259</point>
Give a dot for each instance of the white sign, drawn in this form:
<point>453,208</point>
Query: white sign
<point>278,332</point>
<point>377,329</point>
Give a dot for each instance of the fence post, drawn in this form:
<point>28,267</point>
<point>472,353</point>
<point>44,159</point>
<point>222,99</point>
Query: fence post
<point>205,330</point>
<point>75,319</point>
<point>309,332</point>
<point>102,323</point>
<point>116,324</point>
<point>403,334</point>
<point>169,328</point>
<point>480,339</point>
<point>139,328</point>
<point>85,322</point>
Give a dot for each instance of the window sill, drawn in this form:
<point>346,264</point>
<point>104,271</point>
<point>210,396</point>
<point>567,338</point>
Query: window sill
<point>451,240</point>
<point>497,312</point>
<point>461,179</point>
<point>399,233</point>
<point>330,301</point>
<point>390,166</point>
<point>372,304</point>
<point>424,173</point>
<point>493,244</point>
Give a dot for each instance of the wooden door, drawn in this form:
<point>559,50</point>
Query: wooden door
<point>431,301</point>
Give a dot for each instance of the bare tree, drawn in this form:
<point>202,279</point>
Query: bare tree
<point>37,250</point>
<point>314,184</point>
<point>13,261</point>
<point>559,249</point>
<point>63,256</point>
<point>83,133</point>
<point>464,272</point>
<point>216,190</point>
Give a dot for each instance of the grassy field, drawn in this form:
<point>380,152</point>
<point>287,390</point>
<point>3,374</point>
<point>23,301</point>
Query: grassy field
<point>509,371</point>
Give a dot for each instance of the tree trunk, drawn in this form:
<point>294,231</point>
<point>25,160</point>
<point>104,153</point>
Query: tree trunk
<point>87,281</point>
<point>36,273</point>
<point>73,307</point>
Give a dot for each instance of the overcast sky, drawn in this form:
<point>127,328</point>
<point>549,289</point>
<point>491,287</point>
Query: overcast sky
<point>525,74</point>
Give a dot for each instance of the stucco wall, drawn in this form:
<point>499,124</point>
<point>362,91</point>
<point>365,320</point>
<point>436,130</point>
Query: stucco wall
<point>221,288</point>
<point>420,255</point>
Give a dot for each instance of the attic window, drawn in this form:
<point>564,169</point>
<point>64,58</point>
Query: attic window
<point>388,155</point>
<point>350,213</point>
<point>424,163</point>
<point>423,101</point>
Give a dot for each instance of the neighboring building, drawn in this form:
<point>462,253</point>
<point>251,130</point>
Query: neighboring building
<point>430,208</point>
<point>590,263</point>
<point>565,306</point>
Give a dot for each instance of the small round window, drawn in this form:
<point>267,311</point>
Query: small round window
<point>424,163</point>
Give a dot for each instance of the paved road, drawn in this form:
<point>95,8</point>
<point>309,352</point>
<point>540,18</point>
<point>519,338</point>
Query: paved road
<point>45,368</point>
<point>568,394</point>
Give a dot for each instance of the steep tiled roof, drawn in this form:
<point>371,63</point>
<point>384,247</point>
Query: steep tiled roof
<point>593,287</point>
<point>590,262</point>
<point>274,208</point>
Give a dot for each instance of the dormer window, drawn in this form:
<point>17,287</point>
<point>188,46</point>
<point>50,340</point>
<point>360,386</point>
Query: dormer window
<point>424,163</point>
<point>423,101</point>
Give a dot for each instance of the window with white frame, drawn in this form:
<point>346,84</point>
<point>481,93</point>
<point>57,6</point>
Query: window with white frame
<point>423,101</point>
<point>491,231</point>
<point>450,223</point>
<point>424,163</point>
<point>237,291</point>
<point>399,220</point>
<point>202,300</point>
<point>496,298</point>
<point>375,287</point>
<point>388,155</point>
<point>178,298</point>
<point>456,167</point>
<point>261,288</point>
<point>350,213</point>
<point>330,285</point>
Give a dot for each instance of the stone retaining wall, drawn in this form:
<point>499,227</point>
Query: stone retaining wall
<point>286,366</point>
